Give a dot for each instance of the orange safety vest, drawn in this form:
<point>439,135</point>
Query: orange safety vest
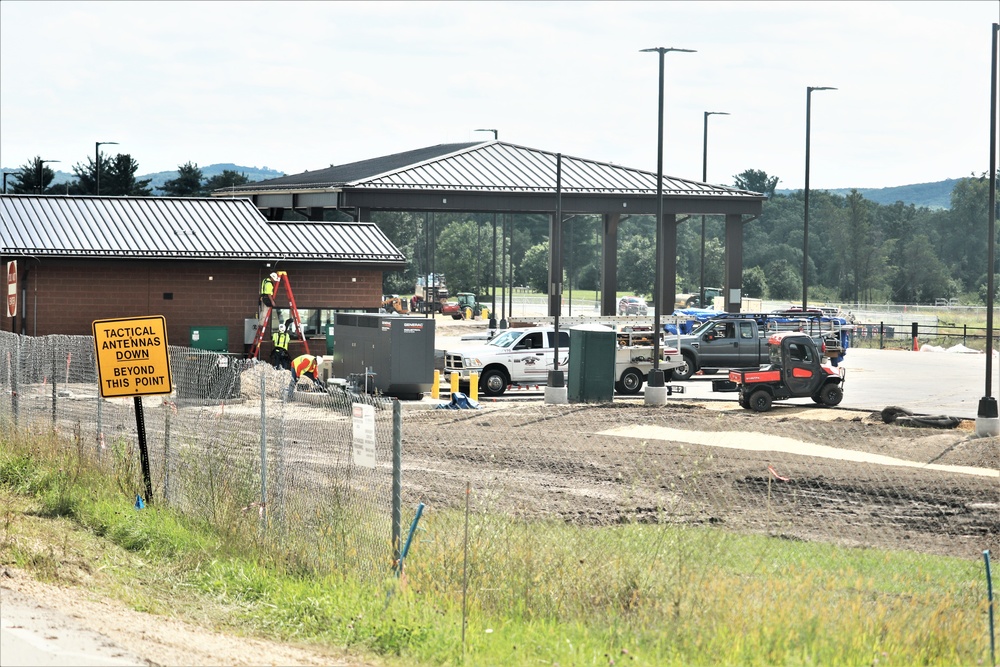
<point>303,364</point>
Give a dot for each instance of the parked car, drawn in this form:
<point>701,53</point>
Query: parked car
<point>633,305</point>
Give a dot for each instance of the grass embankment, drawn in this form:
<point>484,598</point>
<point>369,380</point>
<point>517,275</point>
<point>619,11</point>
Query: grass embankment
<point>538,593</point>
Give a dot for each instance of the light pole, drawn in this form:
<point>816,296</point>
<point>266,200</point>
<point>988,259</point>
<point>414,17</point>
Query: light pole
<point>655,380</point>
<point>704,179</point>
<point>5,175</point>
<point>97,160</point>
<point>987,423</point>
<point>41,172</point>
<point>485,130</point>
<point>805,225</point>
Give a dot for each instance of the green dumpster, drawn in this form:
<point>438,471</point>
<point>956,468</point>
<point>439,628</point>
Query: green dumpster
<point>591,377</point>
<point>213,339</point>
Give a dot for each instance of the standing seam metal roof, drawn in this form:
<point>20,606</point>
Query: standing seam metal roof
<point>179,228</point>
<point>493,166</point>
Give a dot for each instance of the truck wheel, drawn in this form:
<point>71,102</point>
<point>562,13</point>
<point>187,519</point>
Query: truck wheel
<point>685,371</point>
<point>493,382</point>
<point>630,382</point>
<point>760,400</point>
<point>831,395</point>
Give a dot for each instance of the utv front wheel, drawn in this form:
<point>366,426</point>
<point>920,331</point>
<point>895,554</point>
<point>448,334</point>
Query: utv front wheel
<point>831,395</point>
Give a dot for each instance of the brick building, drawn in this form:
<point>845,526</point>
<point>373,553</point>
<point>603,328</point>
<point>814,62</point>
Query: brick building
<point>197,262</point>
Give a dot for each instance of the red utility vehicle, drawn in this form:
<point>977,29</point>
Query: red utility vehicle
<point>795,371</point>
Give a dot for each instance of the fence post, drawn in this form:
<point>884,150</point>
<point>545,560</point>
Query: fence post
<point>913,332</point>
<point>263,446</point>
<point>965,334</point>
<point>53,385</point>
<point>397,478</point>
<point>166,450</point>
<point>13,377</point>
<point>881,332</point>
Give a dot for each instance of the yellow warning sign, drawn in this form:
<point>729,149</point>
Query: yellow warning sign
<point>132,356</point>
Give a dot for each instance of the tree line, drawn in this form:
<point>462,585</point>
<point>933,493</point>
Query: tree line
<point>860,252</point>
<point>115,176</point>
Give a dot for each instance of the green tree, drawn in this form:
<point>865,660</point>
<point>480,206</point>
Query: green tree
<point>460,249</point>
<point>784,281</point>
<point>535,269</point>
<point>636,265</point>
<point>921,277</point>
<point>754,283</point>
<point>227,179</point>
<point>120,179</point>
<point>33,177</point>
<point>756,180</point>
<point>187,184</point>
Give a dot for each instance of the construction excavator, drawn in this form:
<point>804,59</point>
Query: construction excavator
<point>393,304</point>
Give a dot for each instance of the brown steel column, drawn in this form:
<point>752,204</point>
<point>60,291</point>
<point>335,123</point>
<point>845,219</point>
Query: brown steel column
<point>555,266</point>
<point>609,264</point>
<point>733,284</point>
<point>668,291</point>
<point>315,213</point>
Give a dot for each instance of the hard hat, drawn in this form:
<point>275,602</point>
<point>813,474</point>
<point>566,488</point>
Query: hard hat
<point>274,276</point>
<point>319,361</point>
<point>281,328</point>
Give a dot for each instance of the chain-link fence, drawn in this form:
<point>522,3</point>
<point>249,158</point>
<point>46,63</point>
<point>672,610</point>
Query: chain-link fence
<point>226,446</point>
<point>678,514</point>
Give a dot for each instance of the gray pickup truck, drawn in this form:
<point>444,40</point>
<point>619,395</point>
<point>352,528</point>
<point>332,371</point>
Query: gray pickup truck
<point>722,344</point>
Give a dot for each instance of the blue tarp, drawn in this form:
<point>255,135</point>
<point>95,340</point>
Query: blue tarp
<point>699,315</point>
<point>459,401</point>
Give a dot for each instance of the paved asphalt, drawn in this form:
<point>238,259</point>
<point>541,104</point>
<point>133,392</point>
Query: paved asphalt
<point>929,383</point>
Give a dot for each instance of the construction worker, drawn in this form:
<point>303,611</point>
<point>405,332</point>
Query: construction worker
<point>267,293</point>
<point>279,353</point>
<point>306,365</point>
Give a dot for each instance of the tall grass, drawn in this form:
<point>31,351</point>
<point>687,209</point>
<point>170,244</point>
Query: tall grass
<point>666,595</point>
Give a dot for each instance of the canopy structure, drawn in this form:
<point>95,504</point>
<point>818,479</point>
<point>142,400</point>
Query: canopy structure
<point>499,177</point>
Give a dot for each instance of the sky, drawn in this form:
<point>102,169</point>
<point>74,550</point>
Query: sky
<point>301,86</point>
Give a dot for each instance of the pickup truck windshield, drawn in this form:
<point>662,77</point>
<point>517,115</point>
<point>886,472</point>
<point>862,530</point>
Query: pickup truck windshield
<point>505,339</point>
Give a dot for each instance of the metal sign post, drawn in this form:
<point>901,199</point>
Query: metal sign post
<point>132,361</point>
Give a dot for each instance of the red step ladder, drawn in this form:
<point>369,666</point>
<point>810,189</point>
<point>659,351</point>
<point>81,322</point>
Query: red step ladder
<point>264,326</point>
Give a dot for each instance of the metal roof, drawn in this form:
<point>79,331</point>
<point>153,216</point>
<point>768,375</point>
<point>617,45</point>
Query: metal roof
<point>333,176</point>
<point>179,228</point>
<point>492,167</point>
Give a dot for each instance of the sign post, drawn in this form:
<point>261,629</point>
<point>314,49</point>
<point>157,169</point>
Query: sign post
<point>132,360</point>
<point>12,292</point>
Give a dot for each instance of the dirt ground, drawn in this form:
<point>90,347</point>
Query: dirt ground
<point>802,473</point>
<point>835,476</point>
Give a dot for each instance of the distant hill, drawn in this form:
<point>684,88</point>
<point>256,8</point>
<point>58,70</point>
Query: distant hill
<point>930,195</point>
<point>159,178</point>
<point>253,173</point>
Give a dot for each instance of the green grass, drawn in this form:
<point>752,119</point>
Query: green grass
<point>538,593</point>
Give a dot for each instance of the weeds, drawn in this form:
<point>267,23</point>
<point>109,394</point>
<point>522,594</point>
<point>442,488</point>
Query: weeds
<point>667,594</point>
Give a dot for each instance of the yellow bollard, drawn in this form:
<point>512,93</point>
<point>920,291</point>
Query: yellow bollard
<point>474,386</point>
<point>485,314</point>
<point>436,387</point>
<point>468,313</point>
<point>454,383</point>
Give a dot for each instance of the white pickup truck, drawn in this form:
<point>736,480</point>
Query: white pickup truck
<point>525,357</point>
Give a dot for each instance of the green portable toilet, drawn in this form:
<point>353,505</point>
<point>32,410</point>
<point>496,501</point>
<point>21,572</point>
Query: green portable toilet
<point>591,377</point>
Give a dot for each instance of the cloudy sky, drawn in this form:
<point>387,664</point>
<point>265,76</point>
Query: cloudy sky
<point>300,86</point>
